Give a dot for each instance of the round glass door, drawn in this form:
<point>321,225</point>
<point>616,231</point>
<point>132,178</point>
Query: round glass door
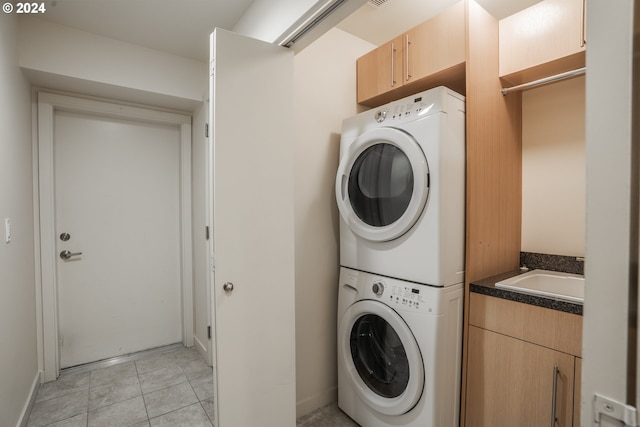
<point>381,357</point>
<point>382,184</point>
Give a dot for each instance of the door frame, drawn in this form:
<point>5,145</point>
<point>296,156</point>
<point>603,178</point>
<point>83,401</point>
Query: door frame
<point>47,105</point>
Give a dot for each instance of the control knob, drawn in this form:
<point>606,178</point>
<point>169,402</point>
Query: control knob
<point>378,288</point>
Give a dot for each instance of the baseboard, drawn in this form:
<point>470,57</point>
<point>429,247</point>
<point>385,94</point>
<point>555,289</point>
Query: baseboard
<point>202,349</point>
<point>310,404</point>
<point>26,410</point>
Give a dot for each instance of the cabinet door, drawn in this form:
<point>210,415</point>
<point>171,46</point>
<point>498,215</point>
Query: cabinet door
<point>511,383</point>
<point>380,70</point>
<point>544,39</point>
<point>435,45</point>
<point>577,383</point>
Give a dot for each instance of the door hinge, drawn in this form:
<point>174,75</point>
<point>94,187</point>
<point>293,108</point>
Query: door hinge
<point>206,232</point>
<point>206,130</point>
<point>616,410</point>
<point>209,331</point>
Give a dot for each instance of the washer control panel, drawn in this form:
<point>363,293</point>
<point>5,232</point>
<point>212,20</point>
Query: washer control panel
<point>377,288</point>
<point>405,295</point>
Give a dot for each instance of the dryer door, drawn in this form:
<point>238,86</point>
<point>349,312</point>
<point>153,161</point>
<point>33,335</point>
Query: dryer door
<point>381,357</point>
<point>382,184</point>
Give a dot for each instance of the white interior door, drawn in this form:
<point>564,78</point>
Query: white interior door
<point>251,109</point>
<point>117,186</point>
<point>113,189</point>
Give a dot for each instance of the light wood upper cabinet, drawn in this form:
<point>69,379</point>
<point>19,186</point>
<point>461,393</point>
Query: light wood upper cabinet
<point>380,70</point>
<point>545,39</point>
<point>431,54</point>
<point>435,45</point>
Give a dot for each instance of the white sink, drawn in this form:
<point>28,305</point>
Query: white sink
<point>553,284</point>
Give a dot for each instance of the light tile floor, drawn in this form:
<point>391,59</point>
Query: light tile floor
<point>327,416</point>
<point>171,386</point>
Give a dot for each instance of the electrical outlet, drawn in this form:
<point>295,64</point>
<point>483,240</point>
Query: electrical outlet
<point>7,230</point>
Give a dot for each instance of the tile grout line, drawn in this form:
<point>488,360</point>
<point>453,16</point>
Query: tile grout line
<point>144,401</point>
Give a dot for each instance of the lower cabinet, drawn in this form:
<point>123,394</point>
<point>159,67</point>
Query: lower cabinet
<point>512,382</point>
<point>523,366</point>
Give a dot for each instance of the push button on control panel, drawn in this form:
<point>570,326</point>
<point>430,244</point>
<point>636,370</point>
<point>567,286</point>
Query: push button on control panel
<point>406,296</point>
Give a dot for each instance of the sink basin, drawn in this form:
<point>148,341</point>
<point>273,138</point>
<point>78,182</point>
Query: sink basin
<point>552,284</point>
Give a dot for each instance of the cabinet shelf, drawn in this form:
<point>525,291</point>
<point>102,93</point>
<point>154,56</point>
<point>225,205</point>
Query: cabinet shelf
<point>543,40</point>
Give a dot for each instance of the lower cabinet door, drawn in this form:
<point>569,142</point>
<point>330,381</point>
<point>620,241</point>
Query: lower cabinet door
<point>511,382</point>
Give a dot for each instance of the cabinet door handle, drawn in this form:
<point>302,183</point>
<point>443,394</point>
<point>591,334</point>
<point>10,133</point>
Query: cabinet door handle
<point>406,56</point>
<point>554,392</point>
<point>583,34</point>
<point>393,54</point>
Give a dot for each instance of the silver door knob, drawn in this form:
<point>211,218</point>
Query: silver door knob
<point>228,287</point>
<point>65,255</point>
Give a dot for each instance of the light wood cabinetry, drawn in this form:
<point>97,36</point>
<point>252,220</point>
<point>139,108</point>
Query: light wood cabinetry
<point>576,387</point>
<point>380,70</point>
<point>459,49</point>
<point>545,39</point>
<point>494,164</point>
<point>429,55</point>
<point>511,382</point>
<point>523,364</point>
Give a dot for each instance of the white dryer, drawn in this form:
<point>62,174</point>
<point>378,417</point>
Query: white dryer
<point>399,351</point>
<point>400,189</point>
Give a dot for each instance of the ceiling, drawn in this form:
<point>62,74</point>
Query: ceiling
<point>182,27</point>
<point>380,24</point>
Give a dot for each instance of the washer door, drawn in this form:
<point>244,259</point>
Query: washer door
<point>382,184</point>
<point>381,357</point>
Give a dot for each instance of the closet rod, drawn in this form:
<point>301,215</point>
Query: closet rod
<point>546,80</point>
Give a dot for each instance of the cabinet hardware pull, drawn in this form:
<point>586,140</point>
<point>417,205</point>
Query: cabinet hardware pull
<point>554,392</point>
<point>393,77</point>
<point>583,35</point>
<point>406,55</point>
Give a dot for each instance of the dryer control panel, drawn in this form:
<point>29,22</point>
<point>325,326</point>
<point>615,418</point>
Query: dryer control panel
<point>402,112</point>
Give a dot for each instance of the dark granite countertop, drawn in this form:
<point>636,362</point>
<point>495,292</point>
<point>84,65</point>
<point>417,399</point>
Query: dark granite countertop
<point>488,287</point>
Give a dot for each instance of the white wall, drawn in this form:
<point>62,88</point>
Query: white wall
<point>18,357</point>
<point>325,94</point>
<point>62,58</point>
<point>553,168</point>
<point>74,60</point>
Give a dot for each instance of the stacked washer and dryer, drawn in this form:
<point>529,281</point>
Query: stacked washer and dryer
<point>400,190</point>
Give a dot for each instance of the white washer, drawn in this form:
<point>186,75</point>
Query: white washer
<point>400,189</point>
<point>399,351</point>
